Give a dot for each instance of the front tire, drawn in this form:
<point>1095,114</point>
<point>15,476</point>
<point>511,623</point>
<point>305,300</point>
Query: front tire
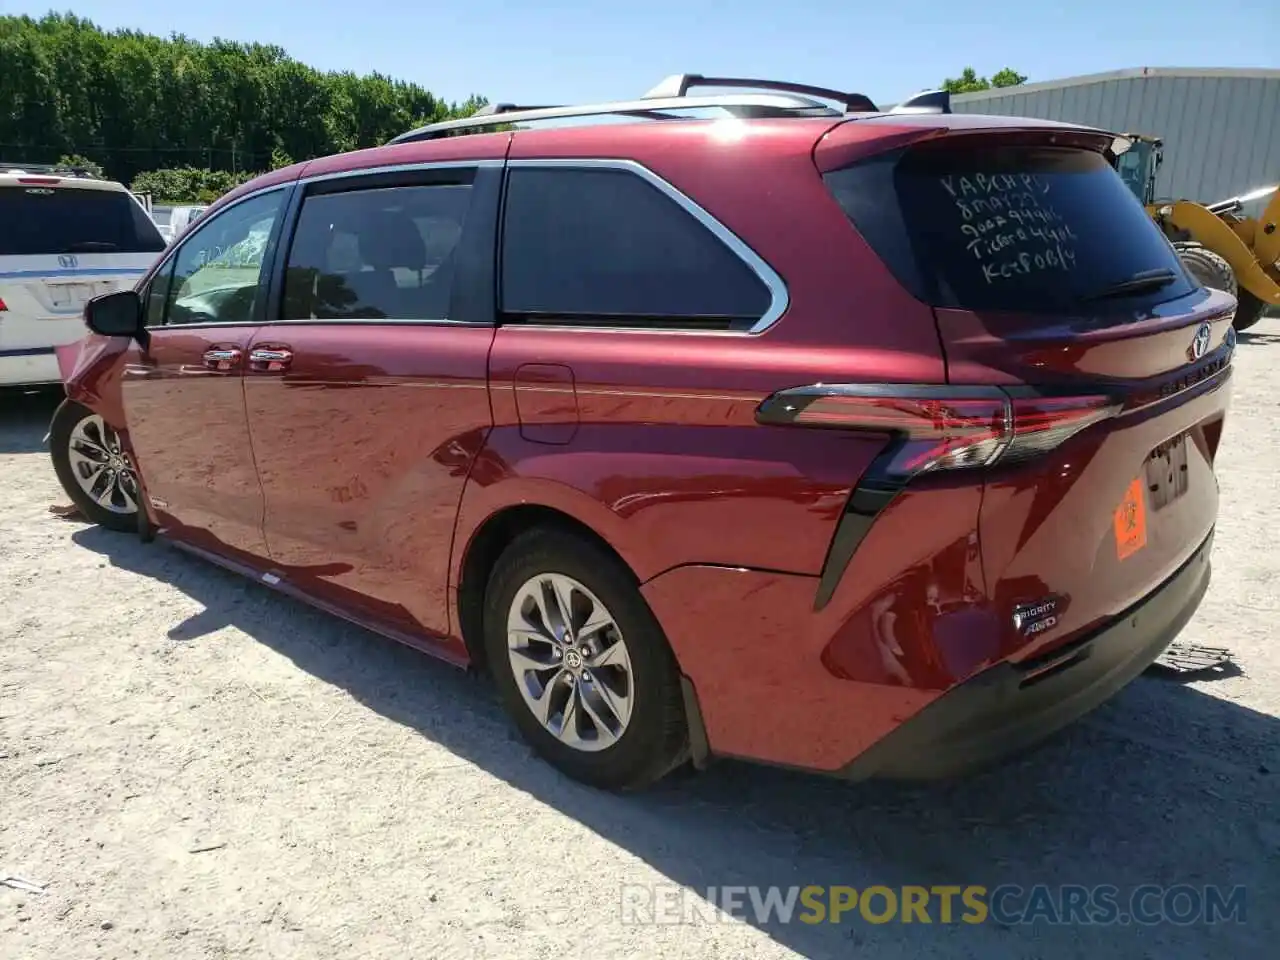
<point>1248,310</point>
<point>93,468</point>
<point>581,663</point>
<point>1209,268</point>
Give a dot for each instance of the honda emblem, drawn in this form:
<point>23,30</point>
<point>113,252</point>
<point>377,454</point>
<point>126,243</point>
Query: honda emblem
<point>68,261</point>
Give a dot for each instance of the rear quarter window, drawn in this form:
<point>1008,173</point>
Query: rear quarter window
<point>1026,229</point>
<point>41,220</point>
<point>606,247</point>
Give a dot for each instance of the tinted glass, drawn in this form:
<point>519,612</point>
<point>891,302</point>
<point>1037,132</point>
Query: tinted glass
<point>44,220</point>
<point>606,244</point>
<point>217,274</point>
<point>1028,229</point>
<point>384,254</point>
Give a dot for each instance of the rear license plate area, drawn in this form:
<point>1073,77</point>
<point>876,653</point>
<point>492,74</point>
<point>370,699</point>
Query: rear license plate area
<point>68,295</point>
<point>1166,472</point>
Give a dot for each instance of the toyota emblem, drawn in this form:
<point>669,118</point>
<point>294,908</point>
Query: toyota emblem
<point>1200,345</point>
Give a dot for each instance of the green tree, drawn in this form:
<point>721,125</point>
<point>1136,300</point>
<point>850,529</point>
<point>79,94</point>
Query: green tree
<point>132,102</point>
<point>1007,78</point>
<point>970,82</point>
<point>187,184</point>
<point>76,162</point>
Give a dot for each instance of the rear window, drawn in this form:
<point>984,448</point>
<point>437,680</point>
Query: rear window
<point>1019,228</point>
<point>48,220</point>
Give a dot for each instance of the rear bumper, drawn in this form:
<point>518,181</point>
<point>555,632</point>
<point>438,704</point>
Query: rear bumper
<point>1014,705</point>
<point>29,366</point>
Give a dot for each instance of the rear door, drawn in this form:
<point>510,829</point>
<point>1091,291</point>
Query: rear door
<point>62,242</point>
<point>367,395</point>
<point>1049,279</point>
<point>183,395</point>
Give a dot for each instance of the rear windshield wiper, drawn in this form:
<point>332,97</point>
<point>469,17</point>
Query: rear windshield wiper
<point>1142,282</point>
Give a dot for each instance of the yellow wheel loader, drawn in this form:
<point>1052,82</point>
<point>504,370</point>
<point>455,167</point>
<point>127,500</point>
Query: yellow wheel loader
<point>1220,246</point>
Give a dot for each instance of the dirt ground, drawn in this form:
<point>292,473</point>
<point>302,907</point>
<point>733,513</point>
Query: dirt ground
<point>192,766</point>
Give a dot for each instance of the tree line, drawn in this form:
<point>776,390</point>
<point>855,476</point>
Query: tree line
<point>132,102</point>
<point>186,121</point>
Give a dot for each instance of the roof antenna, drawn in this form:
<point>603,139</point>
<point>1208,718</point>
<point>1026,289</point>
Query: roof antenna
<point>930,101</point>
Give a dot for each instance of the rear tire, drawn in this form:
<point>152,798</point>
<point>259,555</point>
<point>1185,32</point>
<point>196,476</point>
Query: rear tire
<point>606,690</point>
<point>1249,310</point>
<point>93,468</point>
<point>1210,269</point>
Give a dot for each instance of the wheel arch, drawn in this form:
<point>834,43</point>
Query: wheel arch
<point>489,539</point>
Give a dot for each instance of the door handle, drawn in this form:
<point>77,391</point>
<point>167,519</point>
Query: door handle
<point>270,359</point>
<point>222,358</point>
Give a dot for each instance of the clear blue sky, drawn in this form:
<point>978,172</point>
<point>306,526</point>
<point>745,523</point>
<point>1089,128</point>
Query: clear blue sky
<point>584,50</point>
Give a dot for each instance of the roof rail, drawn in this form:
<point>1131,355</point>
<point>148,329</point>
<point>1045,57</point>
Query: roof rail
<point>46,169</point>
<point>930,101</point>
<point>743,105</point>
<point>679,84</point>
<point>492,109</point>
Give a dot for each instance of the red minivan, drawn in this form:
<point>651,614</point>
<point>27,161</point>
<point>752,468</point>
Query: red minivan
<point>761,424</point>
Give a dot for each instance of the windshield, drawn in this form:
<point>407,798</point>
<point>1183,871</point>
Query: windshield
<point>1132,167</point>
<point>50,220</point>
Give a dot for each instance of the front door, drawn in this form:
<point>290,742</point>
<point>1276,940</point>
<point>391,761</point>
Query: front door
<point>367,398</point>
<point>183,396</point>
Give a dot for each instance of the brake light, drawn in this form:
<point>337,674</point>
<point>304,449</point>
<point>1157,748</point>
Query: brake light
<point>39,181</point>
<point>941,428</point>
<point>1042,423</point>
<point>3,306</point>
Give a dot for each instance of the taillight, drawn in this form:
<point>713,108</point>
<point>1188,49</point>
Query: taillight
<point>941,428</point>
<point>1042,423</point>
<point>39,181</point>
<point>3,306</point>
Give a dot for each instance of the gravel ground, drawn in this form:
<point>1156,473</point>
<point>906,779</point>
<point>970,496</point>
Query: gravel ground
<point>193,766</point>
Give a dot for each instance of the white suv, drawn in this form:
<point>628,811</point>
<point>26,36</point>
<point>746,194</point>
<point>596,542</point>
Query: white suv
<point>64,238</point>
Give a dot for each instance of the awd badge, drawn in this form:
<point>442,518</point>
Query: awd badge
<point>1033,618</point>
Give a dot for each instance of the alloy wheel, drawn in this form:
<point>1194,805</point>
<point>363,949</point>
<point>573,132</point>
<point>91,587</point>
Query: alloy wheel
<point>101,467</point>
<point>570,662</point>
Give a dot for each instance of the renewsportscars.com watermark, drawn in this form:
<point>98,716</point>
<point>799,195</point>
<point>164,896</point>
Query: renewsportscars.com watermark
<point>1007,904</point>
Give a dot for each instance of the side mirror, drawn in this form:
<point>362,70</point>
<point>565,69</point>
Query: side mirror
<point>116,314</point>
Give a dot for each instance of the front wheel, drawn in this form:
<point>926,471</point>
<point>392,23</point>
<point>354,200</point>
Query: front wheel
<point>93,468</point>
<point>581,663</point>
<point>1209,268</point>
<point>1248,310</point>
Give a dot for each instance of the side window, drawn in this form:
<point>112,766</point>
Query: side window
<point>386,253</point>
<point>606,246</point>
<point>216,273</point>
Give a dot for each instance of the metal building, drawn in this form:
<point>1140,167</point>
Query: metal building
<point>1221,127</point>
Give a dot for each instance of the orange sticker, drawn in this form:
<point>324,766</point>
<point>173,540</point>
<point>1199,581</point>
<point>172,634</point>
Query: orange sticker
<point>1131,522</point>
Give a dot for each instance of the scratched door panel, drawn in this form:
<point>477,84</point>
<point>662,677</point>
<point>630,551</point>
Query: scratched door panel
<point>184,407</point>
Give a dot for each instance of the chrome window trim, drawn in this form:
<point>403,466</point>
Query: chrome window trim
<point>400,168</point>
<point>779,297</point>
<point>357,321</point>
